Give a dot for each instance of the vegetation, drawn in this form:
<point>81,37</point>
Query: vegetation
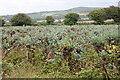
<point>2,22</point>
<point>98,15</point>
<point>71,19</point>
<point>56,14</point>
<point>113,13</point>
<point>61,52</point>
<point>20,20</point>
<point>50,20</point>
<point>43,50</point>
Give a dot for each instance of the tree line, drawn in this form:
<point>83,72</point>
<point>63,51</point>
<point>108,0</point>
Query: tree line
<point>99,16</point>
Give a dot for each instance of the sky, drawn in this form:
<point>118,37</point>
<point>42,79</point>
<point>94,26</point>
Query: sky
<point>8,7</point>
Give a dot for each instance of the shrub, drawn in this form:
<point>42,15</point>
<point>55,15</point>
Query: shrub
<point>98,15</point>
<point>71,19</point>
<point>50,20</point>
<point>113,13</point>
<point>20,20</point>
<point>2,22</point>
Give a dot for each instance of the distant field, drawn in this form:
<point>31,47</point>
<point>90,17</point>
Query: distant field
<point>83,11</point>
<point>60,51</point>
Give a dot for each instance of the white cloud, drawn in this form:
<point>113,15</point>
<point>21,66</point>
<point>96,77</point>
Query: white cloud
<point>27,6</point>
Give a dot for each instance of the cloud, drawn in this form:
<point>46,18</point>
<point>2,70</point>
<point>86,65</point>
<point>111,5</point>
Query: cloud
<point>27,6</point>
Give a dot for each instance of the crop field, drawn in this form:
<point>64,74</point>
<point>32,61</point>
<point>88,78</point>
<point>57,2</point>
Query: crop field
<point>79,51</point>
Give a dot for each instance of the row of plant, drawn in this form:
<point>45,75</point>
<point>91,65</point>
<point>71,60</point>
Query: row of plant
<point>70,52</point>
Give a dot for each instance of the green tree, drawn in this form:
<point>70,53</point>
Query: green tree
<point>50,20</point>
<point>98,15</point>
<point>2,22</point>
<point>21,19</point>
<point>113,13</point>
<point>71,19</point>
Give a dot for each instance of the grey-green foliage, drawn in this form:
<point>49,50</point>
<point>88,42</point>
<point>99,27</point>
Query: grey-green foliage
<point>79,35</point>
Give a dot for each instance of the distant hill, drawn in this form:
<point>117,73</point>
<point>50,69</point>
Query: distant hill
<point>82,11</point>
<point>119,4</point>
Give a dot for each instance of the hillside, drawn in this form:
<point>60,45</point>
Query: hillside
<point>59,14</point>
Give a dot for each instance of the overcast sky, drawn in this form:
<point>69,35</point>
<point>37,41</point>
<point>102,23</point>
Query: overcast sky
<point>8,7</point>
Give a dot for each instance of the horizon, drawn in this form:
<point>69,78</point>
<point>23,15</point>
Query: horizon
<point>53,10</point>
<point>33,6</point>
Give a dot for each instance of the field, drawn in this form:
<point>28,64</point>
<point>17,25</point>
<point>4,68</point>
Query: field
<point>59,14</point>
<point>79,51</point>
